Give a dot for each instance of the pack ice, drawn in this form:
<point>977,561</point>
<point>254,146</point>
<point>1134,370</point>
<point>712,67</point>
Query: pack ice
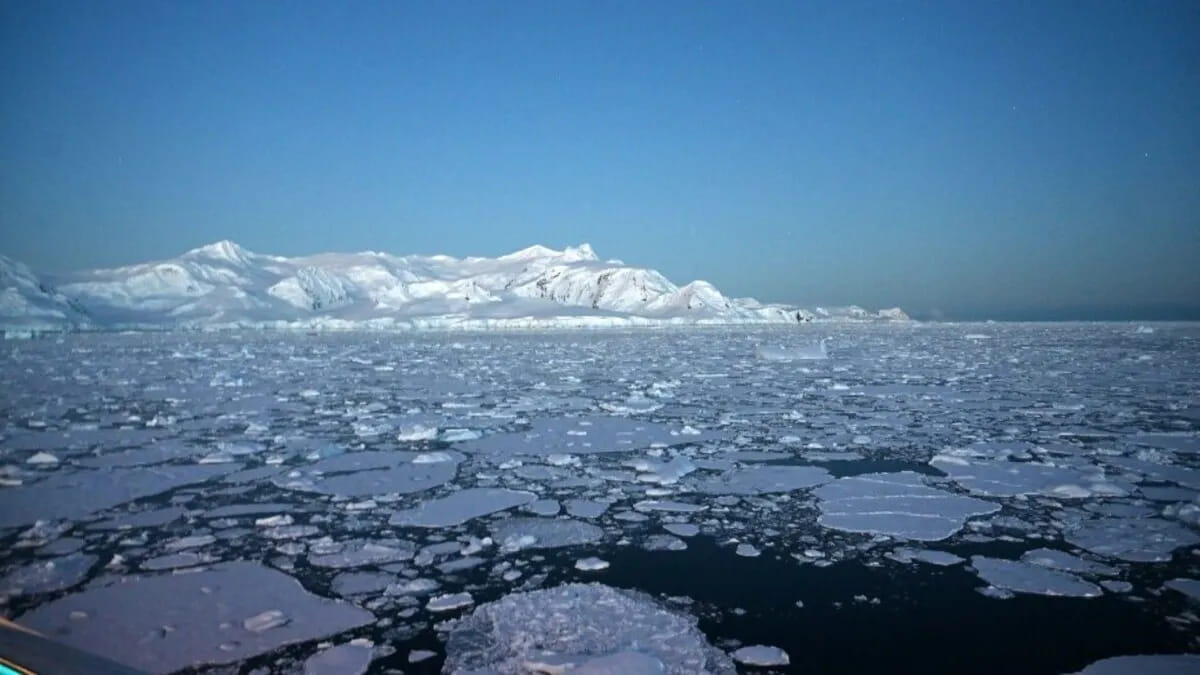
<point>580,628</point>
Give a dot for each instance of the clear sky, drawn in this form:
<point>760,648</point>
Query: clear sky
<point>966,158</point>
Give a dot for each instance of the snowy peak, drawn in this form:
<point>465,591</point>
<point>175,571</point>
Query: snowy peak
<point>223,251</point>
<point>583,252</point>
<point>701,295</point>
<point>531,253</point>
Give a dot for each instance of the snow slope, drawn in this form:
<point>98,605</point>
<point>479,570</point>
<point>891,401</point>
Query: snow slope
<point>224,285</point>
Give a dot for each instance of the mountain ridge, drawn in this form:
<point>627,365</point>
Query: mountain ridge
<point>224,285</point>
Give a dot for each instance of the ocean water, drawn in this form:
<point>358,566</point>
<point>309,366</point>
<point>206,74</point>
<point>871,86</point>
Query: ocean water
<point>988,498</point>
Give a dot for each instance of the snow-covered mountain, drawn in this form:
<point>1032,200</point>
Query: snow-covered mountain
<point>224,285</point>
<point>29,305</point>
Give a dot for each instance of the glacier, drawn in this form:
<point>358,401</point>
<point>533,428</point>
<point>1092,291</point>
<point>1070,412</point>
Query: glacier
<point>223,285</point>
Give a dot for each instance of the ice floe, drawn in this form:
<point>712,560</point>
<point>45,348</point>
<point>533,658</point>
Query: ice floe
<point>761,655</point>
<point>1189,587</point>
<point>664,542</point>
<point>591,564</point>
<point>1026,578</point>
<point>449,602</point>
<point>939,558</point>
<point>682,529</point>
<point>764,480</point>
<point>161,624</point>
<point>1061,560</point>
<point>343,659</point>
<point>45,576</point>
<point>362,553</point>
<point>1008,478</point>
<point>404,477</point>
<point>514,534</point>
<point>77,494</point>
<point>459,507</point>
<point>896,504</point>
<point>1132,539</point>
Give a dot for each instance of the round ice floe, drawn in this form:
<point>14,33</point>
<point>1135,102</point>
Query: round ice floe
<point>747,551</point>
<point>896,504</point>
<point>580,628</point>
<point>1132,539</point>
<point>761,655</point>
<point>591,564</point>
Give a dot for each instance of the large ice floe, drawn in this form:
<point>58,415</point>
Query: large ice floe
<point>1132,539</point>
<point>1026,578</point>
<point>76,494</point>
<point>580,628</point>
<point>896,504</point>
<point>225,614</point>
<point>1008,478</point>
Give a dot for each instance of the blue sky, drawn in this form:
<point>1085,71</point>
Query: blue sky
<point>968,159</point>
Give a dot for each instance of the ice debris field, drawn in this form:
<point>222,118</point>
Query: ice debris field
<point>897,498</point>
